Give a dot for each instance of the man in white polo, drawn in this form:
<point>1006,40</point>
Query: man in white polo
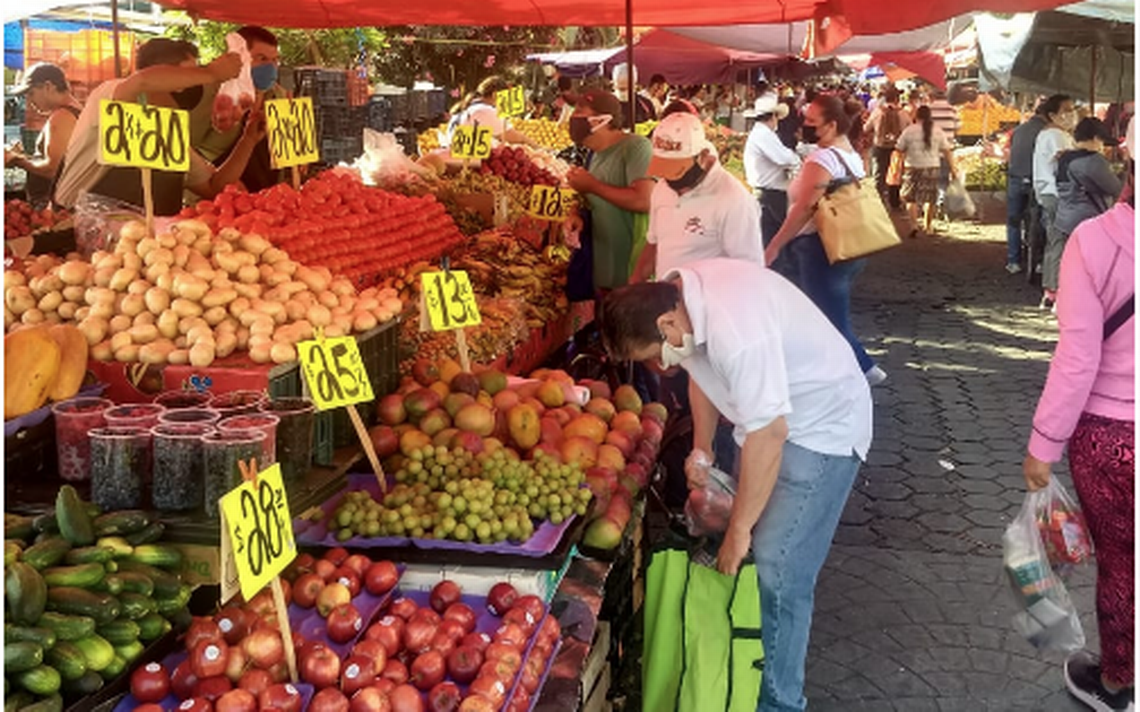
<point>769,164</point>
<point>697,210</point>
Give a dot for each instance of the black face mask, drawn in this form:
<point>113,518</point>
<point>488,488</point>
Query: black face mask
<point>689,178</point>
<point>580,129</point>
<point>808,134</point>
<point>187,99</point>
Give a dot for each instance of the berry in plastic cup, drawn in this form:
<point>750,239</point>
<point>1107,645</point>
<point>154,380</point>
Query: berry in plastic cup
<point>120,466</point>
<point>294,434</point>
<point>178,483</point>
<point>134,415</point>
<point>262,422</point>
<point>221,454</point>
<point>237,402</point>
<point>74,419</point>
<point>190,415</point>
<point>177,400</point>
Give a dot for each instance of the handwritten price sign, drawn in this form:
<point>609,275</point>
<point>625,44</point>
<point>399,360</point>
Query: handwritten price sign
<point>645,128</point>
<point>449,300</point>
<point>550,203</point>
<point>143,136</point>
<point>260,530</point>
<point>511,102</point>
<point>292,132</point>
<point>335,372</point>
<point>471,142</point>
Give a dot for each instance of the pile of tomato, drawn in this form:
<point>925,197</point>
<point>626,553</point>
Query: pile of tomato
<point>21,219</point>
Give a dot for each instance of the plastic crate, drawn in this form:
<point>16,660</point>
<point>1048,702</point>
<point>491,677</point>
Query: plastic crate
<point>340,121</point>
<point>341,150</point>
<point>87,57</point>
<point>379,114</point>
<point>437,104</point>
<point>401,106</point>
<point>417,106</point>
<point>358,89</point>
<point>327,87</point>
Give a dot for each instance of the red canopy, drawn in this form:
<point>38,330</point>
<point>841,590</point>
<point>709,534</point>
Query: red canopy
<point>862,16</point>
<point>682,60</point>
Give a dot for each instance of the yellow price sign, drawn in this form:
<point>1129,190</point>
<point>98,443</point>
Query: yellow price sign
<point>449,300</point>
<point>471,142</point>
<point>511,102</point>
<point>143,136</point>
<point>548,202</point>
<point>334,372</point>
<point>260,528</point>
<point>645,128</point>
<point>292,132</point>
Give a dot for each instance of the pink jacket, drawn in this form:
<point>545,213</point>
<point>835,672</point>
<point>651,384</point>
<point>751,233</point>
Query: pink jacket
<point>1089,374</point>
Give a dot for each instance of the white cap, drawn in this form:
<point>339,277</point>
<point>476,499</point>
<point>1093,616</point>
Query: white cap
<point>676,141</point>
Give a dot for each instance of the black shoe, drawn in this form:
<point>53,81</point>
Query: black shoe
<point>1082,677</point>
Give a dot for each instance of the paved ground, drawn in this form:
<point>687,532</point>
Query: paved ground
<point>912,611</point>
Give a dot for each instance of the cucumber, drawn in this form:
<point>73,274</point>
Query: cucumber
<point>80,575</point>
<point>26,593</point>
<point>74,520</point>
<point>120,632</point>
<point>46,553</point>
<point>136,583</point>
<point>127,521</point>
<point>89,684</point>
<point>68,627</point>
<point>13,548</point>
<point>119,546</point>
<point>19,657</point>
<point>81,602</point>
<point>17,526</point>
<point>147,535</point>
<point>169,606</point>
<point>166,585</point>
<point>46,522</point>
<point>17,700</point>
<point>180,619</point>
<point>44,637</point>
<point>68,659</point>
<point>53,703</point>
<point>116,667</point>
<point>164,557</point>
<point>135,605</point>
<point>129,652</point>
<point>89,555</point>
<point>152,626</point>
<point>41,680</point>
<point>111,584</point>
<point>96,651</point>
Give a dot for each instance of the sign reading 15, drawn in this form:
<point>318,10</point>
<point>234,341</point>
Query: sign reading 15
<point>334,372</point>
<point>450,300</point>
<point>143,136</point>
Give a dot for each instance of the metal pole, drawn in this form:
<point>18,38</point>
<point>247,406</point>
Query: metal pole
<point>1092,83</point>
<point>115,38</point>
<point>631,86</point>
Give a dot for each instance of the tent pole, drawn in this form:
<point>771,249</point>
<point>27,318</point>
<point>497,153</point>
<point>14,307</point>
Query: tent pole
<point>631,85</point>
<point>115,38</point>
<point>1092,83</point>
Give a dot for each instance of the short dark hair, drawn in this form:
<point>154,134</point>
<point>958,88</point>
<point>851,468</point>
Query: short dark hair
<point>491,86</point>
<point>1053,104</point>
<point>833,108</point>
<point>255,33</point>
<point>565,83</point>
<point>629,315</point>
<point>657,79</point>
<point>1091,127</point>
<point>163,50</point>
<point>679,106</point>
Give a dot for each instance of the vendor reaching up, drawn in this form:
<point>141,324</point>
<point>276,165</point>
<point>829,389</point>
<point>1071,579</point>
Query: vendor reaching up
<point>480,109</point>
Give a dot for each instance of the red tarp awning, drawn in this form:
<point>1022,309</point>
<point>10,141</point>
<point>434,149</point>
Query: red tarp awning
<point>685,61</point>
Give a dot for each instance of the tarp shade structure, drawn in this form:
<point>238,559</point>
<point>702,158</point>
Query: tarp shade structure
<point>862,16</point>
<point>579,63</point>
<point>929,66</point>
<point>14,36</point>
<point>685,61</point>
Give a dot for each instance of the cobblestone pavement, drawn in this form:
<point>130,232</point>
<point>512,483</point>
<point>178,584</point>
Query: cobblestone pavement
<point>912,607</point>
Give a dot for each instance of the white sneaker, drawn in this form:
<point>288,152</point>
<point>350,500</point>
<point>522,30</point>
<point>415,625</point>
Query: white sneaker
<point>1013,268</point>
<point>875,376</point>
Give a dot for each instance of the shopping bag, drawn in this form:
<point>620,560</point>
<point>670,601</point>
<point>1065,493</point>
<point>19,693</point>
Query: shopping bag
<point>852,221</point>
<point>895,169</point>
<point>957,201</point>
<point>1047,617</point>
<point>708,508</point>
<point>235,96</point>
<point>1063,529</point>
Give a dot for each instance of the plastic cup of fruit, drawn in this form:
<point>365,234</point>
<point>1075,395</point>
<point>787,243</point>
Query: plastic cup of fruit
<point>134,415</point>
<point>261,422</point>
<point>74,419</point>
<point>237,402</point>
<point>178,482</point>
<point>294,434</point>
<point>221,453</point>
<point>120,466</point>
<point>177,400</point>
<point>208,416</point>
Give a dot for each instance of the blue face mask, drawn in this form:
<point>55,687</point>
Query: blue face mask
<point>264,76</point>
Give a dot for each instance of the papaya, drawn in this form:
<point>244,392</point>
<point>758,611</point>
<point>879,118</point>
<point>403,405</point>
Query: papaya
<point>31,364</point>
<point>72,361</point>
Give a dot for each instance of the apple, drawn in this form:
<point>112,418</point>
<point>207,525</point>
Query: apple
<point>403,607</point>
<point>395,671</point>
<point>405,698</point>
<point>262,604</point>
<point>255,681</point>
<point>520,701</point>
<point>183,680</point>
<point>428,670</point>
<point>333,595</point>
<point>359,563</point>
<point>501,597</point>
<point>236,701</point>
<point>463,663</point>
<point>443,643</point>
<point>370,699</point>
<point>476,640</point>
<point>428,616</point>
<point>531,674</point>
<point>208,657</point>
<point>264,648</point>
<point>491,688</point>
<point>418,635</point>
<point>321,668</point>
<point>349,578</point>
<point>550,629</point>
<point>306,589</point>
<point>462,613</point>
<point>282,696</point>
<point>196,704</point>
<point>324,568</point>
<point>344,623</point>
<point>381,577</point>
<point>279,672</point>
<point>521,617</point>
<point>443,594</point>
<point>202,629</point>
<point>452,629</point>
<point>236,663</point>
<point>336,555</point>
<point>356,674</point>
<point>504,651</point>
<point>373,650</point>
<point>211,688</point>
<point>329,699</point>
<point>511,634</point>
<point>385,685</point>
<point>531,604</point>
<point>444,697</point>
<point>233,624</point>
<point>389,632</point>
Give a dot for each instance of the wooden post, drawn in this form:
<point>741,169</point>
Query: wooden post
<point>286,629</point>
<point>366,443</point>
<point>148,198</point>
<point>296,177</point>
<point>464,356</point>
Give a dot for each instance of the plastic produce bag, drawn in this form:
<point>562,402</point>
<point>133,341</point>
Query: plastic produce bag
<point>1062,526</point>
<point>235,96</point>
<point>708,508</point>
<point>384,161</point>
<point>1047,618</point>
<point>98,220</point>
<point>958,203</point>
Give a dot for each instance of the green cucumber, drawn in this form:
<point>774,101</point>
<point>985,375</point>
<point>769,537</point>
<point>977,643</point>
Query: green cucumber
<point>44,637</point>
<point>130,652</point>
<point>120,632</point>
<point>136,605</point>
<point>159,555</point>
<point>19,657</point>
<point>68,659</point>
<point>116,667</point>
<point>52,703</point>
<point>89,684</point>
<point>46,522</point>
<point>166,585</point>
<point>67,627</point>
<point>169,606</point>
<point>74,520</point>
<point>127,521</point>
<point>134,582</point>
<point>41,680</point>
<point>17,700</point>
<point>97,652</point>
<point>13,548</point>
<point>26,593</point>
<point>89,555</point>
<point>17,526</point>
<point>152,626</point>
<point>147,535</point>
<point>119,546</point>
<point>81,602</point>
<point>46,553</point>
<point>111,584</point>
<point>80,575</point>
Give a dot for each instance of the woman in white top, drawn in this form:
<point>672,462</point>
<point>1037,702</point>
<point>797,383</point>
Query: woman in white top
<point>480,110</point>
<point>833,162</point>
<point>923,145</point>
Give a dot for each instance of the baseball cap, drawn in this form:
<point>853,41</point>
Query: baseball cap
<point>1091,127</point>
<point>40,73</point>
<point>676,141</point>
<point>603,102</point>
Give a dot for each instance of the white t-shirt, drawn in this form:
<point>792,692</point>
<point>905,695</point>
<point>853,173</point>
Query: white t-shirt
<point>765,351</point>
<point>1050,142</point>
<point>718,218</point>
<point>484,115</point>
<point>836,168</point>
<point>917,154</point>
<point>768,163</point>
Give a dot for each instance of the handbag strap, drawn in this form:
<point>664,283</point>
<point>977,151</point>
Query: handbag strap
<point>850,177</point>
<point>1122,314</point>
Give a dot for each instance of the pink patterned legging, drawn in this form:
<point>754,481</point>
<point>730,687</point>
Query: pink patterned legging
<point>1102,461</point>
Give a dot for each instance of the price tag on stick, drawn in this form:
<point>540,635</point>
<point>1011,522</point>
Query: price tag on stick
<point>550,202</point>
<point>450,304</point>
<point>291,131</point>
<point>511,102</point>
<point>471,142</point>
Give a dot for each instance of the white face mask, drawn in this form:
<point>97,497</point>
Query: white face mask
<point>673,356</point>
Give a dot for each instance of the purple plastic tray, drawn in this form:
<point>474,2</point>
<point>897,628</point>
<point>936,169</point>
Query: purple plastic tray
<point>544,540</point>
<point>39,415</point>
<point>541,682</point>
<point>170,702</point>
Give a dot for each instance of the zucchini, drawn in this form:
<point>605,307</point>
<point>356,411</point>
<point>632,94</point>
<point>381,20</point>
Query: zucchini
<point>17,526</point>
<point>26,593</point>
<point>120,547</point>
<point>96,651</point>
<point>129,652</point>
<point>81,602</point>
<point>68,627</point>
<point>147,535</point>
<point>120,632</point>
<point>135,605</point>
<point>74,521</point>
<point>80,575</point>
<point>166,585</point>
<point>12,550</point>
<point>46,522</point>
<point>89,555</point>
<point>41,680</point>
<point>53,703</point>
<point>164,557</point>
<point>89,684</point>
<point>127,521</point>
<point>111,584</point>
<point>44,637</point>
<point>46,553</point>
<point>19,657</point>
<point>116,667</point>
<point>68,659</point>
<point>152,626</point>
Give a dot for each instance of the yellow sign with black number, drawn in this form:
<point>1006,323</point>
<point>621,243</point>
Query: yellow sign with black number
<point>143,136</point>
<point>645,128</point>
<point>511,102</point>
<point>471,142</point>
<point>260,528</point>
<point>449,300</point>
<point>291,131</point>
<point>334,372</point>
<point>548,202</point>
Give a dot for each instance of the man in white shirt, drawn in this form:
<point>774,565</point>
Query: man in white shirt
<point>698,210</point>
<point>761,354</point>
<point>769,164</point>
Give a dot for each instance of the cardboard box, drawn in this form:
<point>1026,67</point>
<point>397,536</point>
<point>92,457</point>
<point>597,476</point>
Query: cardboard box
<point>140,383</point>
<point>201,564</point>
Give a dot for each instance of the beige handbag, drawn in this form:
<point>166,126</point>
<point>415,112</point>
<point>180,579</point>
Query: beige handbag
<point>852,221</point>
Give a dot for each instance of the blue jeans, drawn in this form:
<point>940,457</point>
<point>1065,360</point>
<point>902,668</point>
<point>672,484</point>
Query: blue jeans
<point>1016,205</point>
<point>828,286</point>
<point>789,545</point>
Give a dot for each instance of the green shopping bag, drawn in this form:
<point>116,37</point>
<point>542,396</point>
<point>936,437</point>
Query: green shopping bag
<point>702,651</point>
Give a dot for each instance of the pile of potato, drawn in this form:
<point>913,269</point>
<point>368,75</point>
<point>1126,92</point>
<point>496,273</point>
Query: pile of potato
<point>188,296</point>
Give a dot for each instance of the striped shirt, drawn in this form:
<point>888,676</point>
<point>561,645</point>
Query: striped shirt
<point>945,117</point>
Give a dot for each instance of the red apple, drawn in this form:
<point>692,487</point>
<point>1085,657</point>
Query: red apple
<point>531,674</point>
<point>550,629</point>
<point>444,697</point>
<point>491,688</point>
<point>477,703</point>
<point>150,683</point>
<point>476,640</point>
<point>236,701</point>
<point>336,555</point>
<point>389,631</point>
<point>196,704</point>
<point>395,671</point>
<point>329,699</point>
<point>373,650</point>
<point>520,701</point>
<point>349,578</point>
<point>264,648</point>
<point>370,699</point>
<point>255,681</point>
<point>443,594</point>
<point>501,597</point>
<point>533,605</point>
<point>403,607</point>
<point>208,658</point>
<point>236,663</point>
<point>385,685</point>
<point>202,629</point>
<point>356,674</point>
<point>306,589</point>
<point>522,618</point>
<point>321,668</point>
<point>262,604</point>
<point>462,613</point>
<point>344,623</point>
<point>324,568</point>
<point>183,680</point>
<point>418,635</point>
<point>279,672</point>
<point>504,651</point>
<point>333,595</point>
<point>442,643</point>
<point>282,696</point>
<point>428,670</point>
<point>463,663</point>
<point>359,563</point>
<point>381,577</point>
<point>452,629</point>
<point>511,634</point>
<point>233,623</point>
<point>211,688</point>
<point>405,698</point>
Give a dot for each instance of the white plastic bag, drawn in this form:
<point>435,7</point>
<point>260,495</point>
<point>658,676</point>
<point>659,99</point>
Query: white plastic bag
<point>708,508</point>
<point>958,203</point>
<point>1047,618</point>
<point>1063,529</point>
<point>235,96</point>
<point>384,161</point>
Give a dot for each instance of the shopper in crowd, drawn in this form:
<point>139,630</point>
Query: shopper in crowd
<point>46,92</point>
<point>697,210</point>
<point>886,123</point>
<point>763,356</point>
<point>167,75</point>
<point>1020,203</point>
<point>1055,138</point>
<point>923,147</point>
<point>943,113</point>
<point>564,101</point>
<point>643,105</point>
<point>788,128</point>
<point>658,93</point>
<point>1088,404</point>
<point>769,164</point>
<point>480,108</point>
<point>833,162</point>
<point>679,106</point>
